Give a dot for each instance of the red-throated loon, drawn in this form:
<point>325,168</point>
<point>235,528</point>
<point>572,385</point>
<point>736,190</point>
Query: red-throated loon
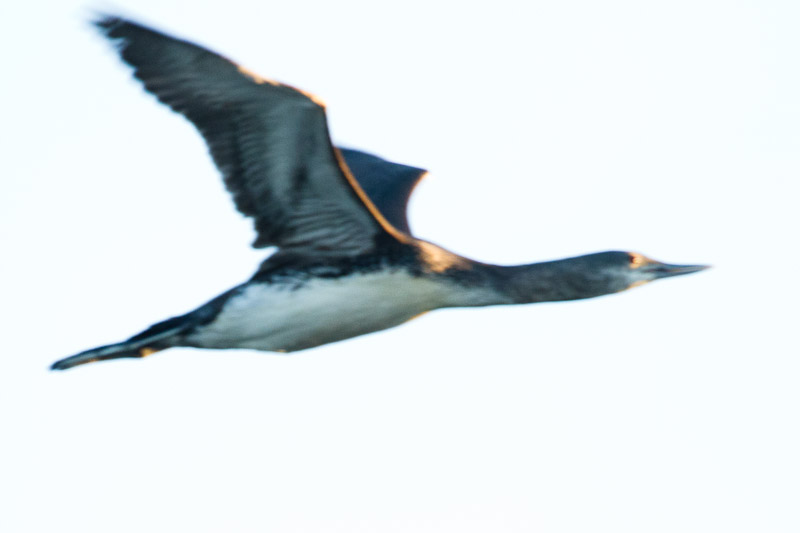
<point>346,263</point>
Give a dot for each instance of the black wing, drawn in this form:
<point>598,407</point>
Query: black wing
<point>389,185</point>
<point>269,140</point>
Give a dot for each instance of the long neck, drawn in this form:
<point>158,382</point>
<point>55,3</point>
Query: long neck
<point>552,281</point>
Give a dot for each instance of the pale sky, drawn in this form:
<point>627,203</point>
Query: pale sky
<point>550,129</point>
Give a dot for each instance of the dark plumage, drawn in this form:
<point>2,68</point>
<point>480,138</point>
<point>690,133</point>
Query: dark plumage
<point>388,185</point>
<point>346,263</point>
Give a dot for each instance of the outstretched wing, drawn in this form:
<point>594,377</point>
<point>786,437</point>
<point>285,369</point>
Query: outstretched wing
<point>388,185</point>
<point>269,140</point>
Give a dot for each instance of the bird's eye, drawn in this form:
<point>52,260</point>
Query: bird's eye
<point>636,260</point>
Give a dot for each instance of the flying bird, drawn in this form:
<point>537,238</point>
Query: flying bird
<point>346,263</point>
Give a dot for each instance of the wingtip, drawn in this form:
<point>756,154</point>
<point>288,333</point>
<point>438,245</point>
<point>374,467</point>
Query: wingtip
<point>103,21</point>
<point>111,25</point>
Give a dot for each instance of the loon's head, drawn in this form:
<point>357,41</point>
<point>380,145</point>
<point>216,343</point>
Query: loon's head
<point>621,271</point>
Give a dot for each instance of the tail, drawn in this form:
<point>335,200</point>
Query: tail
<point>104,353</point>
<point>153,339</point>
<point>157,337</point>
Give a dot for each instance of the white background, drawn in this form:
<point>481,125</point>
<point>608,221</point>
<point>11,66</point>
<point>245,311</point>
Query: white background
<point>550,129</point>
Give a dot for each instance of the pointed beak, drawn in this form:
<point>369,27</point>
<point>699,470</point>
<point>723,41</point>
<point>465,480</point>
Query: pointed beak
<point>665,270</point>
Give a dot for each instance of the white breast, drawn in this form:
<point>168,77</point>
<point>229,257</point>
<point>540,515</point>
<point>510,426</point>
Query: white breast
<point>285,317</point>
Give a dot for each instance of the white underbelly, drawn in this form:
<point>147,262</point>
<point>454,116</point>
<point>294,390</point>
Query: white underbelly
<point>277,317</point>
